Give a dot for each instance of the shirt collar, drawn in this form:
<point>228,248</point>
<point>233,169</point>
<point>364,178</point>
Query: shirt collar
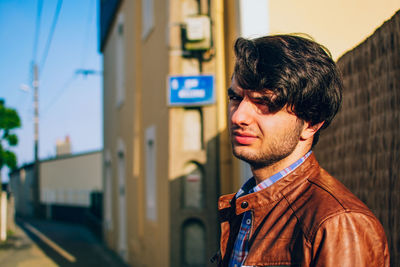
<point>251,187</point>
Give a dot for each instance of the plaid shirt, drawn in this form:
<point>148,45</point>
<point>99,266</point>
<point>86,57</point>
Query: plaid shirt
<point>241,249</point>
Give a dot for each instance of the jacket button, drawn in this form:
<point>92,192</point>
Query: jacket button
<point>244,205</point>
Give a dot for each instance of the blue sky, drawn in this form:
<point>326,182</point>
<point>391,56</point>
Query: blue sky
<point>69,103</point>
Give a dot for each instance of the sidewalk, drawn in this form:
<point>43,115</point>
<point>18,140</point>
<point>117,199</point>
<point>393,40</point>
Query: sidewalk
<point>42,243</point>
<point>19,250</point>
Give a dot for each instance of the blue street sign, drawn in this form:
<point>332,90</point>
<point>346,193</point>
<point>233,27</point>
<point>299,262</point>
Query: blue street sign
<point>191,90</point>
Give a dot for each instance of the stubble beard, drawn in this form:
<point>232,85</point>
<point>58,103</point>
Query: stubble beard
<point>276,149</point>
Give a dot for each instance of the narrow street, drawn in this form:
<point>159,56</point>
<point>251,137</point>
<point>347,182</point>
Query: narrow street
<point>44,243</point>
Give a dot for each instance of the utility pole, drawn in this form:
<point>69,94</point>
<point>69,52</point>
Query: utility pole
<point>36,106</point>
<point>36,189</point>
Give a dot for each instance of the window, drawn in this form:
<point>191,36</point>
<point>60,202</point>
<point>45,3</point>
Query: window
<point>192,130</point>
<point>151,179</point>
<point>122,240</point>
<point>194,243</point>
<point>147,17</point>
<point>193,186</point>
<point>108,192</point>
<point>120,61</point>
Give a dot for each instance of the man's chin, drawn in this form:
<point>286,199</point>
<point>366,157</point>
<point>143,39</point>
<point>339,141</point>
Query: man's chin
<point>244,153</point>
<point>256,160</point>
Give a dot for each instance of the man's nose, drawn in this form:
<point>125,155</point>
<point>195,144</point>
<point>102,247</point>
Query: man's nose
<point>243,113</point>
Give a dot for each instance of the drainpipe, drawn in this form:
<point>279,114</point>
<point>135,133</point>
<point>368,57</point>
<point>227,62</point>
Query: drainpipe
<point>224,152</point>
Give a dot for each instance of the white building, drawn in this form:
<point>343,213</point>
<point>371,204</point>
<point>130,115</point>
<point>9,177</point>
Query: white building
<point>66,186</point>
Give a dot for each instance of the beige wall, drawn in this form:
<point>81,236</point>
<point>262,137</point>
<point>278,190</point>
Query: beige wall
<point>155,239</point>
<point>70,180</point>
<point>339,25</point>
<point>145,70</point>
<point>109,129</point>
<point>153,64</point>
<point>118,124</point>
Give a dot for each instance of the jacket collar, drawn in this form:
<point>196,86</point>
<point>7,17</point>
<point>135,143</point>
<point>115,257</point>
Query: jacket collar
<point>275,192</point>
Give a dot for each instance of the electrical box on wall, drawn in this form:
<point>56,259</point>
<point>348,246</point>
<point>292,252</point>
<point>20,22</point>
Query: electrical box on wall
<point>196,33</point>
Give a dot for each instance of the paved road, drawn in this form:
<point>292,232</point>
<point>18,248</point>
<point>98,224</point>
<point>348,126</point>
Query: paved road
<point>41,243</point>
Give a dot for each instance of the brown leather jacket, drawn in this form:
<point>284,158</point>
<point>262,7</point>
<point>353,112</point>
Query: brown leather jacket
<point>307,218</point>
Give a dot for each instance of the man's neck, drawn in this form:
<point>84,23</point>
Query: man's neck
<point>260,173</point>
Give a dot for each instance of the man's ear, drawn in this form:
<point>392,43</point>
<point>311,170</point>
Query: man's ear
<point>309,130</point>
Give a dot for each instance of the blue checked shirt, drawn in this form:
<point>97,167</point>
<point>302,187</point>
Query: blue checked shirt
<point>241,249</point>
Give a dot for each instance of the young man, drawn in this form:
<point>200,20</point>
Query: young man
<point>284,90</point>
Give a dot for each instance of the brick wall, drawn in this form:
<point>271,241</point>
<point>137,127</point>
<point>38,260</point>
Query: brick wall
<point>362,146</point>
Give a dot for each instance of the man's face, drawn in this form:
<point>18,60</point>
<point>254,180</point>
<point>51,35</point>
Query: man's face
<point>258,136</point>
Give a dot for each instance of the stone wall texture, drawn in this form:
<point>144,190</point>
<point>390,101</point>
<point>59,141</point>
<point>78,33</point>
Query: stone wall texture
<point>362,146</point>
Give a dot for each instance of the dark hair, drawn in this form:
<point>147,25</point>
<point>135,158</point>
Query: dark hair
<point>299,71</point>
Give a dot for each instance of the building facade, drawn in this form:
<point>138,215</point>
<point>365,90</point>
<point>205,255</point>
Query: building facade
<point>161,161</point>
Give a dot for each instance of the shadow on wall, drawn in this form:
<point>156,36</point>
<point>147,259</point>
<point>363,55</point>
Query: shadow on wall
<point>194,223</point>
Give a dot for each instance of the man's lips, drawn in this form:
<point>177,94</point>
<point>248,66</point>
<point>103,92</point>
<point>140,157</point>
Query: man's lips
<point>244,138</point>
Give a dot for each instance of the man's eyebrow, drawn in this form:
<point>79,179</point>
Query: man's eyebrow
<point>268,96</point>
<point>261,97</point>
<point>231,92</point>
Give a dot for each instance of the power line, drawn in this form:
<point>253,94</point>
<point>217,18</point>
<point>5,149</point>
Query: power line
<point>37,29</point>
<point>59,93</point>
<point>50,37</point>
<point>84,72</point>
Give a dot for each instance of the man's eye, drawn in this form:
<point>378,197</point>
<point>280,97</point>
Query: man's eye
<point>260,101</point>
<point>234,98</point>
<point>265,101</point>
<point>262,104</point>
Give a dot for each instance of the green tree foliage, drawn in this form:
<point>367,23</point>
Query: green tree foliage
<point>9,121</point>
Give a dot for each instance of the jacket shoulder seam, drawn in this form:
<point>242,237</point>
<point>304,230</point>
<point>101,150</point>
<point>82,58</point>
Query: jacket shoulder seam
<point>309,232</point>
<point>328,191</point>
<point>330,216</point>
